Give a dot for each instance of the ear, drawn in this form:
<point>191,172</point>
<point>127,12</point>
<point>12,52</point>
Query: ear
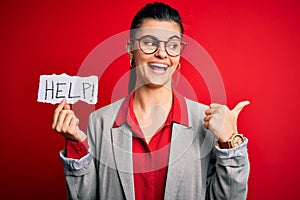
<point>178,67</point>
<point>129,49</point>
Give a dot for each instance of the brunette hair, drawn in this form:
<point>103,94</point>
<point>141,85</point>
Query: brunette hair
<point>158,11</point>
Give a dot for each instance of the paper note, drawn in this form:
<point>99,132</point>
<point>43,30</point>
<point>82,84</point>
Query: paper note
<point>54,88</point>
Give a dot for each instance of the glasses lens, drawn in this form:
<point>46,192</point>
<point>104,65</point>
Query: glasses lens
<point>174,47</point>
<point>149,44</point>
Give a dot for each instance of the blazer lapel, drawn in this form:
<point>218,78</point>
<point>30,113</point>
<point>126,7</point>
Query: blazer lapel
<point>182,139</point>
<point>122,149</point>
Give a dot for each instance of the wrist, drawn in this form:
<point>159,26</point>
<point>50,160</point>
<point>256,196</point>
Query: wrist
<point>76,150</point>
<point>79,136</point>
<point>235,140</point>
<point>82,136</point>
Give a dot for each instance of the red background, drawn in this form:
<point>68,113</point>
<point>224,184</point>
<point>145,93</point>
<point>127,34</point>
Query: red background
<point>255,45</point>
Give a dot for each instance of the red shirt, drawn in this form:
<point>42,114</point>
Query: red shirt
<point>150,160</point>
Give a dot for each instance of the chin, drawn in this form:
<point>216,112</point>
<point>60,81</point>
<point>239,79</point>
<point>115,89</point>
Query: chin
<point>157,84</point>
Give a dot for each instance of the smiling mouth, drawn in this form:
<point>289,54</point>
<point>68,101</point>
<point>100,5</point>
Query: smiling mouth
<point>158,68</point>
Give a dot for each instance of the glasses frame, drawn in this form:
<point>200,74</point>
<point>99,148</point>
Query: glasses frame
<point>183,45</point>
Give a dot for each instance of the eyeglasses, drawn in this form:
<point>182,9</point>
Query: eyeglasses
<point>150,44</point>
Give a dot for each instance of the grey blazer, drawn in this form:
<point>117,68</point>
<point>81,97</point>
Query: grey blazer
<point>197,169</point>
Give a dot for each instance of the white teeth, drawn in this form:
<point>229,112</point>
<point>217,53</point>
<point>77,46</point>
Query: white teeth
<point>158,65</point>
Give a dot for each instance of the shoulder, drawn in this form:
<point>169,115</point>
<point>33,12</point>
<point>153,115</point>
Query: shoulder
<point>188,108</point>
<point>195,107</point>
<point>196,111</point>
<point>196,114</point>
<point>191,104</point>
<point>110,111</point>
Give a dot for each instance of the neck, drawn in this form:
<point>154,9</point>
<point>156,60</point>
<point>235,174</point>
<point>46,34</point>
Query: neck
<point>151,107</point>
<point>145,98</point>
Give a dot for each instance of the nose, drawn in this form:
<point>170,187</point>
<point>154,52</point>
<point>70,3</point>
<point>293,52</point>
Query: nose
<point>161,51</point>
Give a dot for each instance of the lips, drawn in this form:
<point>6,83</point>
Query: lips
<point>158,68</point>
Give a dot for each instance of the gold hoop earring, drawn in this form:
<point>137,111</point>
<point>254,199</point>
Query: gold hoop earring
<point>131,59</point>
<point>131,62</point>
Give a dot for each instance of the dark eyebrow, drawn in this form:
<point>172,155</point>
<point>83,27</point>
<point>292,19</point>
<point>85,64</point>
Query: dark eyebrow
<point>170,38</point>
<point>175,37</point>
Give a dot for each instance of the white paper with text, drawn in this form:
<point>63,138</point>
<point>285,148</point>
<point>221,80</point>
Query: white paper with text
<point>54,88</point>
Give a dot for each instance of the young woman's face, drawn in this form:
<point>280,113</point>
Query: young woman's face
<point>155,68</point>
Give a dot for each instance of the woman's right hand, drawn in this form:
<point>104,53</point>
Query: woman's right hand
<point>66,123</point>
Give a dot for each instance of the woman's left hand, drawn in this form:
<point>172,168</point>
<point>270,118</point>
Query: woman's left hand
<point>222,121</point>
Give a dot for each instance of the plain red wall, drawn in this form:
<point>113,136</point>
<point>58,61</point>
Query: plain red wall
<point>255,45</point>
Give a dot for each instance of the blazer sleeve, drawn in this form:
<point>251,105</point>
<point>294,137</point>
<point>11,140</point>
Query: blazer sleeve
<point>228,173</point>
<point>81,175</point>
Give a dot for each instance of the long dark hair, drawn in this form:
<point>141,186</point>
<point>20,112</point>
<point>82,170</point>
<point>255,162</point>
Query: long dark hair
<point>157,11</point>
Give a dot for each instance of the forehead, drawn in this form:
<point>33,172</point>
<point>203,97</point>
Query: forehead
<point>160,29</point>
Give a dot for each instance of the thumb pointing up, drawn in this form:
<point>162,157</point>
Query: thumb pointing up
<point>222,121</point>
<point>237,109</point>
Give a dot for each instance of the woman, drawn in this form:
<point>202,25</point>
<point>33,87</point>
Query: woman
<point>155,144</point>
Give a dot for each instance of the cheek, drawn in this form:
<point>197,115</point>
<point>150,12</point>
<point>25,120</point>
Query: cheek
<point>140,58</point>
<point>175,62</point>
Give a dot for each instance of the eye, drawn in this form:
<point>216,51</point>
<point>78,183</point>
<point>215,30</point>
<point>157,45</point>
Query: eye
<point>173,44</point>
<point>149,42</point>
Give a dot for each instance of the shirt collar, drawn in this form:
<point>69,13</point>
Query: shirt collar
<point>178,111</point>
